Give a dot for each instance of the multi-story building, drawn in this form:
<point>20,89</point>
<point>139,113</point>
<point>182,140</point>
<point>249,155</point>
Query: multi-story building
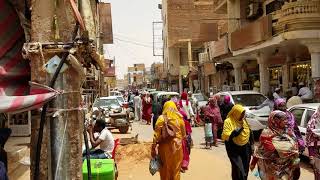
<point>275,42</point>
<point>186,25</point>
<point>136,75</point>
<point>157,77</point>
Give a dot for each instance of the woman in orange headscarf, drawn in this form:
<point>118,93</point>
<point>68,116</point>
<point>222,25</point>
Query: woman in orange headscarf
<point>169,149</point>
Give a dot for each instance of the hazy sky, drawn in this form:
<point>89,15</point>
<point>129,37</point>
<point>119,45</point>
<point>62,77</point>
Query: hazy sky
<point>132,24</point>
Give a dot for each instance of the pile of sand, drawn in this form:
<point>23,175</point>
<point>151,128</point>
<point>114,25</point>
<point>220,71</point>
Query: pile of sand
<point>133,152</point>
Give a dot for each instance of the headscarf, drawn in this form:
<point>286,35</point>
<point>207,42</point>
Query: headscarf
<point>279,104</point>
<point>184,96</point>
<point>213,112</point>
<point>213,101</point>
<point>171,111</point>
<point>313,124</point>
<point>232,123</point>
<point>277,150</point>
<point>227,100</point>
<point>274,122</point>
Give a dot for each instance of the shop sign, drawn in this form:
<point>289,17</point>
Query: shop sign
<point>184,70</point>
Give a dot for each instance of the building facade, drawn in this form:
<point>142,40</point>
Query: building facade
<point>136,75</point>
<point>274,42</point>
<point>186,25</point>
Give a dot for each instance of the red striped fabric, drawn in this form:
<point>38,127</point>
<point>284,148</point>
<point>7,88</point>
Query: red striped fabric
<point>16,95</point>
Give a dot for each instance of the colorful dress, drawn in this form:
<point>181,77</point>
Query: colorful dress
<point>277,154</point>
<point>170,151</point>
<point>313,142</point>
<point>147,109</point>
<point>212,112</point>
<point>187,142</point>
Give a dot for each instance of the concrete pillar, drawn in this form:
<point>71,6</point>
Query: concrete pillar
<point>286,73</point>
<point>314,50</point>
<point>262,59</point>
<point>237,66</point>
<point>190,65</point>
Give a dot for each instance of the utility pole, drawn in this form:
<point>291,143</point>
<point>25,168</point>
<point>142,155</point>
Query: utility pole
<point>190,64</point>
<point>61,151</point>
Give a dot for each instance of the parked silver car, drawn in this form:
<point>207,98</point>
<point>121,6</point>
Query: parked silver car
<point>198,100</point>
<point>257,119</point>
<point>302,114</point>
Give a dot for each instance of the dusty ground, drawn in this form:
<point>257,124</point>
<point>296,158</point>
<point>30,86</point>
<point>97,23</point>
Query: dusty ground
<point>133,160</point>
<point>205,164</point>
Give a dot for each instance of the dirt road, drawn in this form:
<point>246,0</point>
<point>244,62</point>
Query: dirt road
<point>205,164</point>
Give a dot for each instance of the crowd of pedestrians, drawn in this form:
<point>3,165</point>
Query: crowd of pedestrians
<point>275,155</point>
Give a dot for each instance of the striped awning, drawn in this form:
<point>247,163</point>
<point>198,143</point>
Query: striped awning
<point>16,94</point>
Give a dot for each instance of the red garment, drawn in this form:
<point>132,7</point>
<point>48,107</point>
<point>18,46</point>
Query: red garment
<point>184,96</point>
<point>186,156</point>
<point>213,112</point>
<point>146,110</point>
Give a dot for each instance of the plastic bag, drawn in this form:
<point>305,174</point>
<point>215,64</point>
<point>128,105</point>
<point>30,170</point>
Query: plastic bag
<point>155,164</point>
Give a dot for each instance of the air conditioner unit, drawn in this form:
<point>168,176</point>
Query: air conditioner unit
<point>203,57</point>
<point>253,10</point>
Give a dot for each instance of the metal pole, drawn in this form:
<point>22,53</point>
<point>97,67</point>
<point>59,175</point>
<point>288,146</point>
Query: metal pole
<point>190,64</point>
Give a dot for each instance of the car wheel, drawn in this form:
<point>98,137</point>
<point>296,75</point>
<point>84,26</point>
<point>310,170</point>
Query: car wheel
<point>124,129</point>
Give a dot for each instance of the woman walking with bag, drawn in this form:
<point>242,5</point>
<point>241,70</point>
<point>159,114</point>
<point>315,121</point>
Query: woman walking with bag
<point>168,136</point>
<point>236,133</point>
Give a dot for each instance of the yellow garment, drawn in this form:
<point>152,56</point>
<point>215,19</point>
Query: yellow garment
<point>170,152</point>
<point>232,123</point>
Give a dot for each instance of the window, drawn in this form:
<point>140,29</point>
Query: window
<point>249,99</point>
<point>308,117</point>
<point>298,113</point>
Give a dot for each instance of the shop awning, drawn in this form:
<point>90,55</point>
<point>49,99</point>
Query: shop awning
<point>16,95</point>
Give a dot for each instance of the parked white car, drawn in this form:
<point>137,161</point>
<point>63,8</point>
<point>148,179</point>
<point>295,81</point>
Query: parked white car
<point>162,95</point>
<point>302,114</point>
<point>257,119</point>
<point>115,93</point>
<point>198,100</point>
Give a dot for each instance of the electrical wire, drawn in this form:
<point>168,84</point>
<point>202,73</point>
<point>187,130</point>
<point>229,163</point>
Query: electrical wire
<point>45,107</point>
<point>135,43</point>
<point>131,38</point>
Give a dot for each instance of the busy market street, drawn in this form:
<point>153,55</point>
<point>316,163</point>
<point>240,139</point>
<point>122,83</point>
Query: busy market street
<point>159,89</point>
<point>203,161</point>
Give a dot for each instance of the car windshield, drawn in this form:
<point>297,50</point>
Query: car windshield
<point>200,97</point>
<point>249,99</point>
<point>120,99</point>
<point>106,103</point>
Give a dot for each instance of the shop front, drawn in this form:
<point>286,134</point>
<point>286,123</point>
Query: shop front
<point>275,76</point>
<point>300,72</point>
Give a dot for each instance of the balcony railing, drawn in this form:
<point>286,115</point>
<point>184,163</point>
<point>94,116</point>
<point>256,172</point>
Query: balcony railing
<point>298,15</point>
<point>220,6</point>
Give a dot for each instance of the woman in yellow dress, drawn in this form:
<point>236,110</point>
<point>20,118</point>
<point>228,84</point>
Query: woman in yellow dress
<point>170,148</point>
<point>236,134</point>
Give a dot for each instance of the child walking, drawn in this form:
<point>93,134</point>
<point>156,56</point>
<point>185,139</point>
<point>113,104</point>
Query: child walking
<point>208,133</point>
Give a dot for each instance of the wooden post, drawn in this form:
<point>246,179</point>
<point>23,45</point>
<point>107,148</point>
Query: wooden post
<point>61,152</point>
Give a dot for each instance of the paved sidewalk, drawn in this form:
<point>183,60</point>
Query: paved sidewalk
<point>18,149</point>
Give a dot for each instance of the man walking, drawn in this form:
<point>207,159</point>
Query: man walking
<point>137,106</point>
